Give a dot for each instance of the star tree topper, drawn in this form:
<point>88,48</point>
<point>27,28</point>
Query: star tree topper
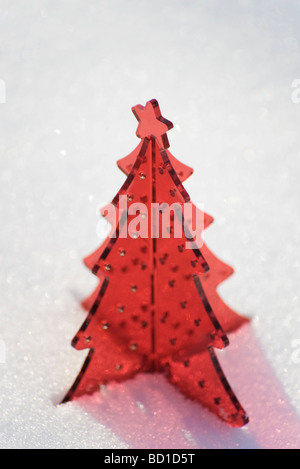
<point>151,123</point>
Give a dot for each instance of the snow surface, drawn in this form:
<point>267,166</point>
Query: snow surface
<point>223,72</point>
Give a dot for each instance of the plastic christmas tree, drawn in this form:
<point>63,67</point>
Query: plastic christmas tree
<point>156,308</point>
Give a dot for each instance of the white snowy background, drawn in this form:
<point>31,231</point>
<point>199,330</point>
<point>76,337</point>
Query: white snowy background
<point>227,74</point>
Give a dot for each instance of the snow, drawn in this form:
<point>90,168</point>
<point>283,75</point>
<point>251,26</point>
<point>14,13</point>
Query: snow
<point>227,75</point>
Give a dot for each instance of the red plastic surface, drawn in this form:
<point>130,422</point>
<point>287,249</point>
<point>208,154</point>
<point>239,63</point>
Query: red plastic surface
<point>156,307</point>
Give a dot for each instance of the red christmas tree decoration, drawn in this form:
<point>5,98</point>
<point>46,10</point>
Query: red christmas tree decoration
<point>156,308</point>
